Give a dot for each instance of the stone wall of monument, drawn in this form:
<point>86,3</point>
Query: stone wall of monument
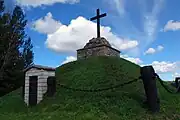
<point>112,52</point>
<point>97,51</point>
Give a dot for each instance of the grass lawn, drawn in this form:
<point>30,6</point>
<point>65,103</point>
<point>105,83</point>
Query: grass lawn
<point>124,103</point>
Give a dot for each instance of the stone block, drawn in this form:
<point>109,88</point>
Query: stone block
<point>97,47</point>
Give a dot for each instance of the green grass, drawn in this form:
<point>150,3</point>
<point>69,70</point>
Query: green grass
<point>124,103</point>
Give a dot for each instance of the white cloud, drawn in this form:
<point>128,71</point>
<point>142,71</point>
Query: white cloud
<point>160,48</point>
<point>132,59</point>
<point>150,51</point>
<point>69,59</point>
<point>151,20</point>
<point>176,75</point>
<point>150,26</point>
<point>165,67</point>
<point>36,3</point>
<point>46,25</point>
<point>149,17</point>
<point>126,44</point>
<point>69,38</point>
<point>119,6</point>
<point>172,26</point>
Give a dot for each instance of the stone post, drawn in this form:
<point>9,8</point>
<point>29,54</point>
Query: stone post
<point>51,84</point>
<point>177,82</point>
<point>148,77</point>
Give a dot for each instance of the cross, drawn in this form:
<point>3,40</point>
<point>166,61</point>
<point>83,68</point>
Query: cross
<point>98,21</point>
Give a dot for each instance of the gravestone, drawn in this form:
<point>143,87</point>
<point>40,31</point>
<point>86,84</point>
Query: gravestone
<point>148,77</point>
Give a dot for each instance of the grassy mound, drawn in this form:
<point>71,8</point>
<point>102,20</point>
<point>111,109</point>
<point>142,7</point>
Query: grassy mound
<point>122,103</point>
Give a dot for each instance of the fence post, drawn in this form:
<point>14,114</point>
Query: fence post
<point>51,86</point>
<point>148,77</point>
<point>177,82</point>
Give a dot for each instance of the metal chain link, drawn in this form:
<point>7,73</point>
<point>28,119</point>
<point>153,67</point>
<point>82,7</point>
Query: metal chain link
<point>121,85</point>
<point>99,90</point>
<point>165,87</point>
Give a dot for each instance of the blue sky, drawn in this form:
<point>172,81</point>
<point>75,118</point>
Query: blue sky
<point>145,31</point>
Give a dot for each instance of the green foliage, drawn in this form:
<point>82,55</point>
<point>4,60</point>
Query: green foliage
<point>1,6</point>
<point>15,49</point>
<point>124,103</point>
<point>27,54</point>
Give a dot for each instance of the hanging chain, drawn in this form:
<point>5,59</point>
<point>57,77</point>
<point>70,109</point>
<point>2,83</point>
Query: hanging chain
<point>165,87</point>
<point>99,90</point>
<point>122,85</point>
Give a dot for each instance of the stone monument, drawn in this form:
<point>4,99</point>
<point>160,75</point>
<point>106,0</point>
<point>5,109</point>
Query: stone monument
<point>97,46</point>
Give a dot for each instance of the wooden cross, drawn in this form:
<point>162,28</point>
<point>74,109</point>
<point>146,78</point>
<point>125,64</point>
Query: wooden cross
<point>98,21</point>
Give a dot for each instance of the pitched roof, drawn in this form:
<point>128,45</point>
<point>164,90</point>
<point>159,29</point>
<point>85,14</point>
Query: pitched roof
<point>98,42</point>
<point>40,67</point>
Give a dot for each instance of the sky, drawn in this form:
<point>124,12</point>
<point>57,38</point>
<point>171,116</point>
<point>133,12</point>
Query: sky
<point>147,32</point>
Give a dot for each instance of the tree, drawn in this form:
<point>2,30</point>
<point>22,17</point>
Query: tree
<point>15,49</point>
<point>1,6</point>
<point>27,54</point>
<point>4,26</point>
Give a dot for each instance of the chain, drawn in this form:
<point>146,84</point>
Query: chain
<point>99,90</point>
<point>165,87</point>
<point>121,85</point>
